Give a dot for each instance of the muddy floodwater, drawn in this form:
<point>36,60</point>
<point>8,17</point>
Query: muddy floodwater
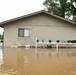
<point>22,61</point>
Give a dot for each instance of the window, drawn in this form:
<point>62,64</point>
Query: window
<point>23,32</point>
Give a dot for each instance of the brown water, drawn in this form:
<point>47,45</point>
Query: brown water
<point>21,61</point>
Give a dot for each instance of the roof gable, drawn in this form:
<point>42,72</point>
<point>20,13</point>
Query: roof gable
<point>35,13</point>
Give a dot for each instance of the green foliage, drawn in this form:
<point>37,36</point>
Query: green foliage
<point>62,8</point>
<point>49,46</point>
<point>71,9</point>
<point>1,37</point>
<point>56,7</point>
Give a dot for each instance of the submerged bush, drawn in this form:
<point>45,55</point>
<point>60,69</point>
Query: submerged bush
<point>49,46</point>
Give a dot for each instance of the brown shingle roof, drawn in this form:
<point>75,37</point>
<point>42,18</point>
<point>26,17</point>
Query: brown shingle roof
<point>35,13</point>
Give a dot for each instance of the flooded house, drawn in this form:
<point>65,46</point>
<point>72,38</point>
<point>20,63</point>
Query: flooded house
<point>43,25</point>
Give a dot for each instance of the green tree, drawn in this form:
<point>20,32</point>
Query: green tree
<point>1,37</point>
<point>62,8</point>
<point>72,8</point>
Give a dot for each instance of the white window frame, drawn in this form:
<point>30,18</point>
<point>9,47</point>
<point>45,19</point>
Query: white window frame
<point>26,32</point>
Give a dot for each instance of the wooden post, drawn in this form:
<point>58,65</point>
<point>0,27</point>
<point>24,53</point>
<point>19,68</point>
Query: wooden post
<point>36,42</point>
<point>57,47</point>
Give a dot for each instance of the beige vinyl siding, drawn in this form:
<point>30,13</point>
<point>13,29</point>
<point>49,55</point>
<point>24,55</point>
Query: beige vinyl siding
<point>41,26</point>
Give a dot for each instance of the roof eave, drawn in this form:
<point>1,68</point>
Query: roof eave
<point>42,11</point>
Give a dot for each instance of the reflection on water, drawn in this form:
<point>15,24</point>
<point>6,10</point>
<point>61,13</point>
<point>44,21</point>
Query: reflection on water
<point>1,56</point>
<point>57,52</point>
<point>21,61</point>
